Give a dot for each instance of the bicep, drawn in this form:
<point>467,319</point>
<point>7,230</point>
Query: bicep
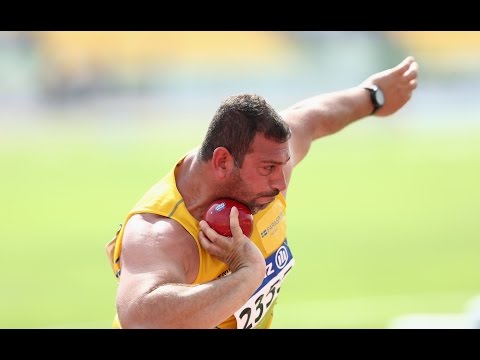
<point>153,255</point>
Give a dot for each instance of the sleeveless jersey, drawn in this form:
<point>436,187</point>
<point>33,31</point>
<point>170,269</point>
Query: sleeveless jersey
<point>269,235</point>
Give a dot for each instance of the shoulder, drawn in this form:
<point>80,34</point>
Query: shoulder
<point>148,238</point>
<point>154,230</point>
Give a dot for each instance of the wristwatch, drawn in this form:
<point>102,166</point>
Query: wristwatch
<point>377,97</point>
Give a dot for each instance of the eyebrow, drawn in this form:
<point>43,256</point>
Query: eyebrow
<point>275,162</point>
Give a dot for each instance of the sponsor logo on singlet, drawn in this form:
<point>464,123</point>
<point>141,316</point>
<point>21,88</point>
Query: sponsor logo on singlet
<point>273,225</point>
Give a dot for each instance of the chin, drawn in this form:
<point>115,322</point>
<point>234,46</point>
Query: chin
<point>258,208</point>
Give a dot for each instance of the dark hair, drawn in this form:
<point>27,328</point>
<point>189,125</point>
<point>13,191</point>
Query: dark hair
<point>236,122</point>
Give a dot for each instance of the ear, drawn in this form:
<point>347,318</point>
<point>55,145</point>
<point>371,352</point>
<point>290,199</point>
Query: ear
<point>222,162</point>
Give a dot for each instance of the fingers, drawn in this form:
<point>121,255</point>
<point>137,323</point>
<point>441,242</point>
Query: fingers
<point>404,65</point>
<point>207,230</point>
<point>218,245</point>
<point>411,72</point>
<point>212,242</point>
<point>409,59</point>
<point>208,245</point>
<point>234,223</point>
<point>408,69</point>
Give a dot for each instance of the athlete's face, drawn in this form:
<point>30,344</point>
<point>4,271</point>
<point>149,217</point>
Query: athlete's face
<point>261,176</point>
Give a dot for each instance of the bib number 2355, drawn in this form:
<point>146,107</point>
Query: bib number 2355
<point>278,265</point>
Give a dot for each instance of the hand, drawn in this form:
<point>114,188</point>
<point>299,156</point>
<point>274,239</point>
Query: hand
<point>397,85</point>
<point>237,251</point>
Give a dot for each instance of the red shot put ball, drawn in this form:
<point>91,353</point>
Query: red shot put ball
<point>217,216</point>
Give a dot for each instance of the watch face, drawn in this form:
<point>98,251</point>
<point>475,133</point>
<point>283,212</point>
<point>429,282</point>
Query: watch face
<point>379,97</point>
<point>376,96</point>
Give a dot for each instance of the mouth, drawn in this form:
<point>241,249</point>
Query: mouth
<point>263,201</point>
<point>268,199</point>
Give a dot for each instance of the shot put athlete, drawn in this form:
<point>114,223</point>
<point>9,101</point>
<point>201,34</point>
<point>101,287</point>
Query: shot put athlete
<point>175,271</point>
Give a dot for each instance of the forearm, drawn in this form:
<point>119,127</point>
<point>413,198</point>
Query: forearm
<point>328,113</point>
<point>206,305</point>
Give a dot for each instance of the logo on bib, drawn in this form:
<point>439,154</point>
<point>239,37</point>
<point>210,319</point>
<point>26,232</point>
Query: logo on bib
<point>281,257</point>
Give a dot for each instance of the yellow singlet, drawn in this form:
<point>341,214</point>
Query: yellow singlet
<point>269,234</point>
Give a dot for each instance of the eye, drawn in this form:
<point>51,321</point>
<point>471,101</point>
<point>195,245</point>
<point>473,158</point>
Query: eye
<point>269,168</point>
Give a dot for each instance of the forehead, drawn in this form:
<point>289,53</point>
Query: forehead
<point>263,149</point>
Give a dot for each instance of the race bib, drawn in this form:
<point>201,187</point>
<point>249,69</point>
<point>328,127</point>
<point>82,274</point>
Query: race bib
<point>277,267</point>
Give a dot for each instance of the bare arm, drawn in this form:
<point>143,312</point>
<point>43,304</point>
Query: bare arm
<point>326,114</point>
<point>159,265</point>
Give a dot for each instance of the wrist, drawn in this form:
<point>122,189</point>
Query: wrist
<point>377,98</point>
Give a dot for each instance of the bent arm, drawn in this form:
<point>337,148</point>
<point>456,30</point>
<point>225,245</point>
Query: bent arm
<point>159,301</point>
<point>159,264</point>
<point>326,114</point>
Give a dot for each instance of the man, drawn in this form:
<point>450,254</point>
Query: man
<point>173,270</point>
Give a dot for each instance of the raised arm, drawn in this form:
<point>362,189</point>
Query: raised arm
<point>326,114</point>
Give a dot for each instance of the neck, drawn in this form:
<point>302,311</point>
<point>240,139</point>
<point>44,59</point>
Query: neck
<point>195,184</point>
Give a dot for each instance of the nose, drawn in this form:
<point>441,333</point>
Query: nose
<point>279,182</point>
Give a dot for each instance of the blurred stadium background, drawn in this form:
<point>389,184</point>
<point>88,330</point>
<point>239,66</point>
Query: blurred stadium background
<point>383,217</point>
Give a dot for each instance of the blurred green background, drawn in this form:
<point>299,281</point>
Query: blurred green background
<point>383,216</point>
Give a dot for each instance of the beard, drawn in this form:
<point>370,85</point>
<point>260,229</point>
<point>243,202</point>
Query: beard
<point>236,188</point>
